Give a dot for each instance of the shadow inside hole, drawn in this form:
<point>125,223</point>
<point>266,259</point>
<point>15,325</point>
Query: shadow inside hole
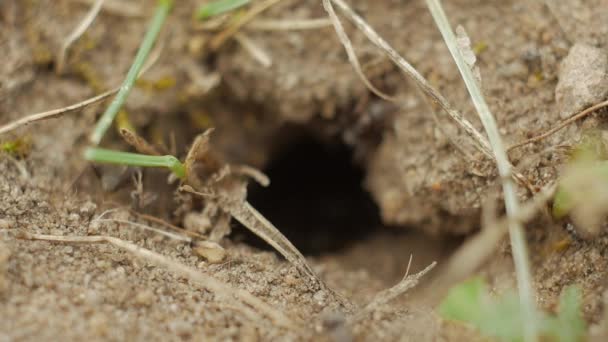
<point>315,198</point>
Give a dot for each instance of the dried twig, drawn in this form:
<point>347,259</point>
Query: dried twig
<point>288,24</point>
<point>518,241</point>
<point>561,125</point>
<point>350,51</point>
<point>228,33</point>
<point>480,141</point>
<point>170,235</point>
<point>166,224</point>
<point>219,288</point>
<point>51,114</point>
<point>78,31</point>
<point>118,8</point>
<point>140,144</point>
<point>259,54</point>
<point>382,298</point>
<point>249,217</point>
<point>478,248</point>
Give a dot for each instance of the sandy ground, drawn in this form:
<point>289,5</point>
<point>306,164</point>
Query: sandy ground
<point>427,192</point>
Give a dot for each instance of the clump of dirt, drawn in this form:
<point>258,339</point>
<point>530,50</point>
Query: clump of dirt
<point>419,168</point>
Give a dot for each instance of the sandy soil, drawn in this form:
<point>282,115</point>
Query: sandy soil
<point>426,194</point>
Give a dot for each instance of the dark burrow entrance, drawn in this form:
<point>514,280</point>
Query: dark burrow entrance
<point>315,198</point>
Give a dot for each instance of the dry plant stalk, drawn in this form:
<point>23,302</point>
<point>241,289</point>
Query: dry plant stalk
<point>479,140</point>
<point>561,125</point>
<point>478,248</point>
<point>77,33</point>
<point>516,234</point>
<point>234,27</point>
<point>140,144</point>
<point>229,194</point>
<point>118,7</point>
<point>408,282</point>
<point>224,290</point>
<point>55,113</point>
<point>170,235</point>
<point>51,114</point>
<point>248,216</point>
<point>288,24</point>
<point>259,54</point>
<point>350,51</point>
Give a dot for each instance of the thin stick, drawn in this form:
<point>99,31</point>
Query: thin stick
<point>54,113</point>
<point>118,7</point>
<point>518,241</point>
<point>162,10</point>
<point>480,141</point>
<point>140,144</point>
<point>259,54</point>
<point>255,222</point>
<point>478,248</point>
<point>561,125</point>
<point>382,298</point>
<point>166,224</point>
<point>228,33</point>
<point>211,284</point>
<point>79,31</point>
<point>288,24</point>
<point>149,228</point>
<point>51,114</point>
<point>350,51</point>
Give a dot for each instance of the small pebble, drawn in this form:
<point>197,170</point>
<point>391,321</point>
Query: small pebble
<point>211,251</point>
<point>583,79</point>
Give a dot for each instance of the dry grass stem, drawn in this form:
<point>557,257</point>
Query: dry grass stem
<point>561,125</point>
<point>140,144</point>
<point>166,224</point>
<point>259,54</point>
<point>224,290</point>
<point>478,249</point>
<point>255,222</point>
<point>51,114</point>
<point>350,51</point>
<point>78,31</point>
<point>408,282</point>
<point>118,8</point>
<point>170,235</point>
<point>480,141</point>
<point>516,234</point>
<point>234,27</point>
<point>288,24</point>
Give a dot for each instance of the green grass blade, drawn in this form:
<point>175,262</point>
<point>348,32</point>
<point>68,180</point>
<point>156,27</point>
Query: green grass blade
<point>162,10</point>
<point>218,7</point>
<point>102,155</point>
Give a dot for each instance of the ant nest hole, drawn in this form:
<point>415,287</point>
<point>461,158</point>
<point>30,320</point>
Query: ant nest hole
<point>316,197</point>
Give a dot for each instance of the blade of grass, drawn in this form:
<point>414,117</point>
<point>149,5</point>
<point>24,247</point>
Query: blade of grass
<point>102,155</point>
<point>218,7</point>
<point>518,242</point>
<point>162,10</point>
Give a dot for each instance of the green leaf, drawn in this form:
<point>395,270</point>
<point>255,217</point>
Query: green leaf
<point>568,325</point>
<point>500,317</point>
<point>218,7</point>
<point>102,155</point>
<point>464,302</point>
